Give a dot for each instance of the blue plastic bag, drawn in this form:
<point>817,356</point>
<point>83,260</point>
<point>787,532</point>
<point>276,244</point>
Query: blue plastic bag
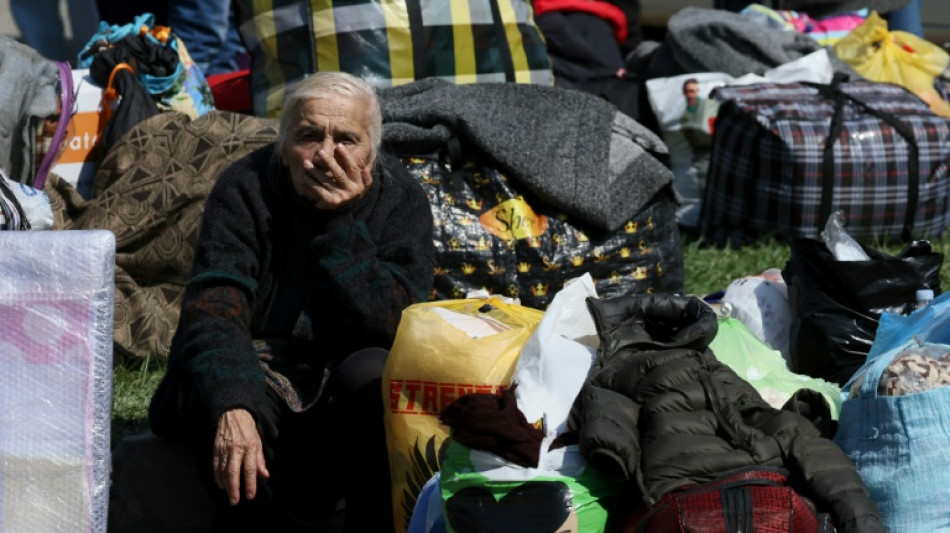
<point>428,515</point>
<point>898,445</point>
<point>928,325</point>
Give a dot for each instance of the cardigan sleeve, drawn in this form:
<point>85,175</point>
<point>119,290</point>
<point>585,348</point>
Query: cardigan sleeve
<point>213,346</point>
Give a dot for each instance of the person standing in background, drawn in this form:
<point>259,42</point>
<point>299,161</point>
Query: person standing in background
<point>696,123</point>
<point>907,19</point>
<point>41,26</point>
<point>209,30</point>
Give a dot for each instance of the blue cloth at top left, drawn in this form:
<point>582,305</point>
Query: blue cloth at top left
<point>209,30</point>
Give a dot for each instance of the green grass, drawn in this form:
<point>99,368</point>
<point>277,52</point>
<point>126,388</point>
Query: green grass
<point>132,388</point>
<point>707,270</point>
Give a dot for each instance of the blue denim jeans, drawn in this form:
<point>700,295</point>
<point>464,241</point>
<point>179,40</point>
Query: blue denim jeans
<point>209,30</point>
<point>42,29</point>
<point>906,19</point>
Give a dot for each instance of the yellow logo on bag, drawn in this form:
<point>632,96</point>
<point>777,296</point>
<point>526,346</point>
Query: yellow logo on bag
<point>514,219</point>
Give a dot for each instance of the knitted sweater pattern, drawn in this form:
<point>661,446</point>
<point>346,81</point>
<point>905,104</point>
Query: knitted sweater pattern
<point>282,291</point>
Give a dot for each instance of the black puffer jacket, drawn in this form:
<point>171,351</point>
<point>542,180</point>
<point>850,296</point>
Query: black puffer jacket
<point>660,409</point>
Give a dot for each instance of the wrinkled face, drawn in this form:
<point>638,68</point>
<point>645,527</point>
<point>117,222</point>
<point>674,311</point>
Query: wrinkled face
<point>691,91</point>
<point>321,124</point>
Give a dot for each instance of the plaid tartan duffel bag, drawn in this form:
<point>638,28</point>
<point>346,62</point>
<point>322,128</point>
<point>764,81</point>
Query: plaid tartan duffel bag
<point>390,43</point>
<point>786,156</point>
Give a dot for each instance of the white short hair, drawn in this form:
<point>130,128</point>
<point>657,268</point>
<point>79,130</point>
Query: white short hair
<point>326,84</point>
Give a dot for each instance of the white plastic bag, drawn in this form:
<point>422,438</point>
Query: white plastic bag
<point>842,245</point>
<point>555,361</point>
<point>761,303</point>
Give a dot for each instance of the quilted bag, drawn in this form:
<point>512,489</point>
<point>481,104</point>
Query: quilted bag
<point>390,42</point>
<point>786,156</point>
<point>754,500</point>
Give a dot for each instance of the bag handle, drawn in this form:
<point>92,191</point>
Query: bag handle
<point>828,164</point>
<point>110,95</point>
<point>723,484</point>
<point>504,47</point>
<point>66,102</point>
<point>418,37</point>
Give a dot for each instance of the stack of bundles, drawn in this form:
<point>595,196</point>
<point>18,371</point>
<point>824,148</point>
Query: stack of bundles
<point>786,156</point>
<point>55,119</point>
<point>660,412</point>
<point>512,463</point>
<point>659,436</point>
<point>531,186</point>
<point>149,67</point>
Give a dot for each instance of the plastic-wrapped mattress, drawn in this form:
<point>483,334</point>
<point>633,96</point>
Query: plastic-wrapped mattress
<point>56,320</point>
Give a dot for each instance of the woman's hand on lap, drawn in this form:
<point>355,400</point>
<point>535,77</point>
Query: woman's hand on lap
<point>238,450</point>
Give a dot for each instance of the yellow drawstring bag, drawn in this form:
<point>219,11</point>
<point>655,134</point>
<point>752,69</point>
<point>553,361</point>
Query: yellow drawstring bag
<point>896,57</point>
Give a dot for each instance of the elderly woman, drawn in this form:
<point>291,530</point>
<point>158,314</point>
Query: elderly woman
<point>309,250</point>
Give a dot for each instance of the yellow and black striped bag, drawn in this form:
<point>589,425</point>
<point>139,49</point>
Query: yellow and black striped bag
<point>390,42</point>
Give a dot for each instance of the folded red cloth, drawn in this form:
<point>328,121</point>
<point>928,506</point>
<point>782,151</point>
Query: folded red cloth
<point>493,423</point>
<point>232,91</point>
<point>609,12</point>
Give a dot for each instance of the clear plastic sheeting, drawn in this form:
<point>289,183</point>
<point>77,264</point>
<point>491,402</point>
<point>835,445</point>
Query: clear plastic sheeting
<point>56,321</point>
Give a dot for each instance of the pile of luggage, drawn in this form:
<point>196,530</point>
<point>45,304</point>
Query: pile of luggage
<point>605,400</point>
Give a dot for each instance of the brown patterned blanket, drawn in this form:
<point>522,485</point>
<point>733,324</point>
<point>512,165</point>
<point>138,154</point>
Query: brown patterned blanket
<point>150,191</point>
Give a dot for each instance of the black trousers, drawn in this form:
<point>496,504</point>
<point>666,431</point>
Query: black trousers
<point>329,470</point>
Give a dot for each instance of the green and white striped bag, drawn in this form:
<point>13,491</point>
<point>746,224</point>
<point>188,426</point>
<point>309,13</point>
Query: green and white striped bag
<point>390,42</point>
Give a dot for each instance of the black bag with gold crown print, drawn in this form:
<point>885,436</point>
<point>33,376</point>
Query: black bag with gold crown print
<point>491,233</point>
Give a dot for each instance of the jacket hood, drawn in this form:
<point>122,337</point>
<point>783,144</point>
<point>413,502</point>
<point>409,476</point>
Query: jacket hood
<point>651,322</point>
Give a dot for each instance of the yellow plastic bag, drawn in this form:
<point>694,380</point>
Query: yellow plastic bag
<point>896,57</point>
<point>443,350</point>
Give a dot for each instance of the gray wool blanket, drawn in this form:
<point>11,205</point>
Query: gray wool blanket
<point>714,40</point>
<point>28,94</point>
<point>572,149</point>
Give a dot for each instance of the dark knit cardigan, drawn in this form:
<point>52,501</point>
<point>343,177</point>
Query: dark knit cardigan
<point>281,291</point>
